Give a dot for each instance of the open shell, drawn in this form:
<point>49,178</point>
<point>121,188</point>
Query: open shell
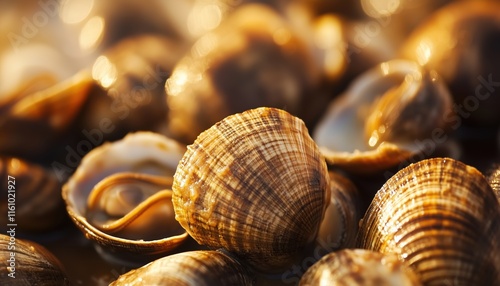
<point>378,122</point>
<point>441,217</point>
<point>119,197</point>
<point>202,268</point>
<point>254,184</point>
<point>361,267</point>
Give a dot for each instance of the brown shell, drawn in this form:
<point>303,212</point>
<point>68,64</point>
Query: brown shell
<point>441,217</point>
<point>148,230</point>
<point>254,58</point>
<point>381,118</point>
<point>202,268</point>
<point>254,184</point>
<point>341,220</point>
<point>461,42</point>
<point>494,180</point>
<point>350,267</point>
<point>38,203</point>
<point>33,264</point>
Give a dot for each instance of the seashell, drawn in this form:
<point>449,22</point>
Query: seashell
<point>340,222</point>
<point>255,58</point>
<point>359,267</point>
<point>254,184</point>
<point>494,180</point>
<point>42,116</point>
<point>383,116</point>
<point>431,215</point>
<point>461,41</point>
<point>190,268</point>
<point>36,196</point>
<point>28,263</point>
<point>132,74</point>
<point>117,200</point>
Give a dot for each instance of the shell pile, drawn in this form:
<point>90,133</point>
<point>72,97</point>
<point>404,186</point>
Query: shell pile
<point>250,142</point>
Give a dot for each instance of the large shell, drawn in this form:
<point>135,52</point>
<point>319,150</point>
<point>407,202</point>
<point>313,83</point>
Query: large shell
<point>99,194</point>
<point>37,196</point>
<point>255,58</point>
<point>441,217</point>
<point>28,263</point>
<point>189,268</point>
<point>461,42</point>
<point>254,184</point>
<point>384,118</point>
<point>351,267</point>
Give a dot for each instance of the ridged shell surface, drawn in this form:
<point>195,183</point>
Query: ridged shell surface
<point>440,216</point>
<point>350,267</point>
<point>196,268</point>
<point>254,184</point>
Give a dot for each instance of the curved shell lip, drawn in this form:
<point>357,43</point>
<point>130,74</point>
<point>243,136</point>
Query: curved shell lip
<point>78,184</point>
<point>340,134</point>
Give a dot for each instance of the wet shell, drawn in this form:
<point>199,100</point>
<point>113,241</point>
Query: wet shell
<point>351,267</point>
<point>441,217</point>
<point>341,221</point>
<point>117,200</point>
<point>254,184</point>
<point>33,264</point>
<point>36,196</point>
<point>382,117</point>
<point>189,268</point>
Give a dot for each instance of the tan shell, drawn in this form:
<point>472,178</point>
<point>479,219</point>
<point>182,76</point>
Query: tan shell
<point>99,194</point>
<point>379,121</point>
<point>254,184</point>
<point>361,267</point>
<point>461,42</point>
<point>38,203</point>
<point>441,217</point>
<point>341,220</point>
<point>253,59</point>
<point>33,264</point>
<point>494,180</point>
<point>189,268</point>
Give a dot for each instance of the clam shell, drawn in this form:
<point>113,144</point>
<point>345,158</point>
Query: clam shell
<point>351,267</point>
<point>383,116</point>
<point>441,217</point>
<point>189,268</point>
<point>254,184</point>
<point>341,220</point>
<point>38,203</point>
<point>253,59</point>
<point>461,41</point>
<point>145,154</point>
<point>33,264</point>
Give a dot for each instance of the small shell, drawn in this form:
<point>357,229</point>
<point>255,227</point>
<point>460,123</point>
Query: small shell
<point>253,59</point>
<point>461,42</point>
<point>378,122</point>
<point>341,220</point>
<point>149,229</point>
<point>254,184</point>
<point>189,268</point>
<point>441,217</point>
<point>27,263</point>
<point>494,180</point>
<point>38,203</point>
<point>352,267</point>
